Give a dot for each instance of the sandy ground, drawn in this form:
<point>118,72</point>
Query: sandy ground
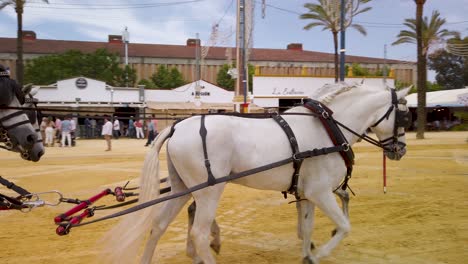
<point>423,218</point>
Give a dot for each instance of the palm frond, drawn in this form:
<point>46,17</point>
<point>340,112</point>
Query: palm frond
<point>5,4</point>
<point>359,28</point>
<point>402,40</point>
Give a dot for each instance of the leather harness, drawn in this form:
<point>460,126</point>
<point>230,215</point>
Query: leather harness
<point>341,145</point>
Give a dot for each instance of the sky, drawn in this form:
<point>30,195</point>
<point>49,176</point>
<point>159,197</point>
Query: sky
<point>174,21</point>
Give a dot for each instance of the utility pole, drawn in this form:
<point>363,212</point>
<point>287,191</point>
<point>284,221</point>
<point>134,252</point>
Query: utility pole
<point>342,41</point>
<point>126,39</point>
<point>241,82</point>
<point>384,70</point>
<point>197,71</point>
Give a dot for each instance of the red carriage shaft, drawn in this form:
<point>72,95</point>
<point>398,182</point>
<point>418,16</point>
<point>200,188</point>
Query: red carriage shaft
<point>84,204</point>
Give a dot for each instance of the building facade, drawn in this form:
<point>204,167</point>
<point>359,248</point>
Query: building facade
<point>146,58</point>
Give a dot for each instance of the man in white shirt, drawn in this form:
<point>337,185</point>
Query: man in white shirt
<point>107,132</point>
<point>116,129</point>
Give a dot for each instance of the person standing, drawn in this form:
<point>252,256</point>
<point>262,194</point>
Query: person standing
<point>49,132</point>
<point>139,129</point>
<point>151,129</point>
<point>155,122</point>
<point>93,127</point>
<point>66,130</point>
<point>73,122</point>
<point>87,124</point>
<point>107,130</point>
<point>58,129</point>
<point>131,128</point>
<point>43,126</point>
<point>116,128</point>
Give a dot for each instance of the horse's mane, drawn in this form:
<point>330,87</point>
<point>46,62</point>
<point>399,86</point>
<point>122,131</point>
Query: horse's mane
<point>328,92</point>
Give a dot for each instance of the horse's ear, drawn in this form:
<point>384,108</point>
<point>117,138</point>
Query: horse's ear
<point>403,92</point>
<point>27,88</point>
<point>34,90</point>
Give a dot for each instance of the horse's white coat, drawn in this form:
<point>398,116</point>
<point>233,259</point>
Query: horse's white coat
<point>236,144</point>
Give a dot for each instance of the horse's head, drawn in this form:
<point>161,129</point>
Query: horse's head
<point>390,127</point>
<point>17,131</point>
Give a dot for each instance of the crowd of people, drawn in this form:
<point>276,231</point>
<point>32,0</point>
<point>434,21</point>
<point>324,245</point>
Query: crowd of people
<point>58,131</point>
<point>63,132</point>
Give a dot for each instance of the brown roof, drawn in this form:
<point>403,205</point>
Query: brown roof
<point>46,46</point>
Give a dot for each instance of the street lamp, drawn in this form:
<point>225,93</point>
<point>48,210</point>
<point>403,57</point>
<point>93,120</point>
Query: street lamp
<point>126,39</point>
<point>112,103</point>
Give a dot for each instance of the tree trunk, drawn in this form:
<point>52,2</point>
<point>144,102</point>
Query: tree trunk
<point>335,43</point>
<point>19,45</point>
<point>422,72</point>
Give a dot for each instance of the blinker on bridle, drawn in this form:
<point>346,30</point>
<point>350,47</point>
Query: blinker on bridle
<point>402,119</point>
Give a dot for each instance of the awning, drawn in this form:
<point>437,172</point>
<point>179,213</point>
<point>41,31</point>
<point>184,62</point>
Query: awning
<point>444,98</point>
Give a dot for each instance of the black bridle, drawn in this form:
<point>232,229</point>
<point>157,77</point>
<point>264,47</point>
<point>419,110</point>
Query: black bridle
<point>402,119</point>
<point>33,117</point>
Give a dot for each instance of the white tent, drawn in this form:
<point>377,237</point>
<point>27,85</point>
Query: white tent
<point>445,98</point>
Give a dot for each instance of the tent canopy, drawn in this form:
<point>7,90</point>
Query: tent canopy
<point>444,98</point>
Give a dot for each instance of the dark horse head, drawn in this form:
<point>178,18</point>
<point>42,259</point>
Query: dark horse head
<point>16,130</point>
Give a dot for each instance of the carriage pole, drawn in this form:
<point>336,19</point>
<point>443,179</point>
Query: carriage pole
<point>384,173</point>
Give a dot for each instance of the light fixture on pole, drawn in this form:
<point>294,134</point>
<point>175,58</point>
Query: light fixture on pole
<point>112,102</point>
<point>126,39</point>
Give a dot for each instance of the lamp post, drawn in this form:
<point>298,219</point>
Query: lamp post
<point>126,39</point>
<point>112,103</point>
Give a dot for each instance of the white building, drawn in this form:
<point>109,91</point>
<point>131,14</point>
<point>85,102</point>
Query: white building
<point>284,92</point>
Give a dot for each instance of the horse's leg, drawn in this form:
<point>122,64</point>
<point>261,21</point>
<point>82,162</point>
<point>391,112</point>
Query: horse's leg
<point>326,201</point>
<point>207,202</point>
<point>166,215</point>
<point>215,233</point>
<point>190,250</point>
<point>344,198</point>
<point>306,222</point>
<point>299,220</point>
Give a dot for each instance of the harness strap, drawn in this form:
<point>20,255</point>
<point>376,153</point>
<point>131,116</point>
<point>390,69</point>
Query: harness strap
<point>14,187</point>
<point>8,203</point>
<point>230,177</point>
<point>203,133</point>
<point>17,113</point>
<point>295,150</point>
<point>335,134</point>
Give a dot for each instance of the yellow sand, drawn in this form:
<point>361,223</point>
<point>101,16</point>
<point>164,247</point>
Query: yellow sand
<point>423,218</point>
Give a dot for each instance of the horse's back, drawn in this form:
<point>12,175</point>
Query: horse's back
<point>236,144</point>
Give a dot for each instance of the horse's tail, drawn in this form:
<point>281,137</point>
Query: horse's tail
<point>124,240</point>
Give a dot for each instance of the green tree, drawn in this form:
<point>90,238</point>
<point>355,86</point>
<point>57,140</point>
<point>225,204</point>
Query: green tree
<point>100,65</point>
<point>423,32</point>
<point>126,77</point>
<point>167,79</point>
<point>326,14</point>
<point>149,84</point>
<point>176,78</point>
<point>224,80</point>
<point>450,69</point>
<point>18,5</point>
<point>459,47</point>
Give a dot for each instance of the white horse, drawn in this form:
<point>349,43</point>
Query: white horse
<point>19,129</point>
<point>236,144</point>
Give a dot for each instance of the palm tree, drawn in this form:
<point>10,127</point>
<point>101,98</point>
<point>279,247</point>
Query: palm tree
<point>18,5</point>
<point>327,14</point>
<point>423,32</point>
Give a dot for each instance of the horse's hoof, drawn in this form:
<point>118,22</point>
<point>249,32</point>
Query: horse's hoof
<point>333,233</point>
<point>312,246</point>
<point>216,248</point>
<point>308,260</point>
